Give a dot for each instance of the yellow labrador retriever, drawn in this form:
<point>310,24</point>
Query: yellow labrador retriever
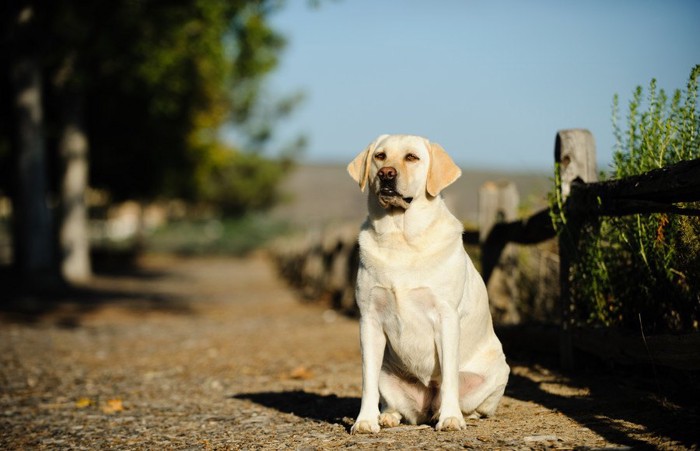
<point>429,351</point>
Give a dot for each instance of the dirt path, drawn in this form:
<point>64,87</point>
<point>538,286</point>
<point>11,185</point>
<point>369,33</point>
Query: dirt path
<point>219,354</point>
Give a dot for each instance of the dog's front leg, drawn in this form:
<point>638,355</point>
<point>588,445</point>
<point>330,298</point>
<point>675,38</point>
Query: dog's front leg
<point>372,343</point>
<point>451,418</point>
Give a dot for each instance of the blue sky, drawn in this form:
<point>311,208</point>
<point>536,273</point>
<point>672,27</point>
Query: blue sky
<point>492,81</point>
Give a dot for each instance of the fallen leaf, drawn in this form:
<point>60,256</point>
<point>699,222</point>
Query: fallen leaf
<point>112,406</point>
<point>83,403</point>
<point>301,373</point>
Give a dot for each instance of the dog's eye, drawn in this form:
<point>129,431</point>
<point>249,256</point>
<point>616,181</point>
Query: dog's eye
<point>412,157</point>
<point>381,156</point>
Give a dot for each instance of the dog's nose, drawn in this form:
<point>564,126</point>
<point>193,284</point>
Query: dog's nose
<point>387,173</point>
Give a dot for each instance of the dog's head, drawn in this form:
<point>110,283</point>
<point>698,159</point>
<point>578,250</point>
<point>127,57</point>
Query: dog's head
<point>400,168</point>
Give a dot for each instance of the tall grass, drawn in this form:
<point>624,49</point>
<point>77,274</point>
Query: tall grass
<point>645,266</point>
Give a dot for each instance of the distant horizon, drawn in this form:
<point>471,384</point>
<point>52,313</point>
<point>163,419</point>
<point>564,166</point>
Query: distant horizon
<point>465,168</point>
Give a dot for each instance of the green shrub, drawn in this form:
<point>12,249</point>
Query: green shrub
<point>236,183</point>
<point>645,268</point>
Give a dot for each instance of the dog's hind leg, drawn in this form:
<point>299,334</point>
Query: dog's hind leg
<point>490,404</point>
<point>480,397</point>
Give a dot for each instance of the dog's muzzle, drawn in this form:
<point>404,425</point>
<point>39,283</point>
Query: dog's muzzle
<point>387,194</point>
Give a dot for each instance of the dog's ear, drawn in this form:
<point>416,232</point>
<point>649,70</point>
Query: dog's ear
<point>443,171</point>
<point>359,167</point>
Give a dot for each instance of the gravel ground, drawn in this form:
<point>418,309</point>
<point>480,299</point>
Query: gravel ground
<point>218,354</point>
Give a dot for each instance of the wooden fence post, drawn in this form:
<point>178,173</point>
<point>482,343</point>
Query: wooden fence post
<point>574,153</point>
<point>498,203</point>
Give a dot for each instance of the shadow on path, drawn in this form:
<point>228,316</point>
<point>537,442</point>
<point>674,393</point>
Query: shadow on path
<point>117,283</point>
<point>331,409</point>
<point>616,394</point>
<point>609,409</point>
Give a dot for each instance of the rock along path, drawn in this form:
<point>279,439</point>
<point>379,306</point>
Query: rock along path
<point>216,353</point>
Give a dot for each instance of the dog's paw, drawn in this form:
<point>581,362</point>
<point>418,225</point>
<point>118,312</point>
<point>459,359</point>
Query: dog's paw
<point>389,420</point>
<point>451,424</point>
<point>474,416</point>
<point>365,427</point>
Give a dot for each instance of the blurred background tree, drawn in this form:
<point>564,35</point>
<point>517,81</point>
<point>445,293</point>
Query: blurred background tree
<point>141,90</point>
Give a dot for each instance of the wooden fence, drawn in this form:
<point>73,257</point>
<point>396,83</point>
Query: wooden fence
<point>323,265</point>
<point>583,198</point>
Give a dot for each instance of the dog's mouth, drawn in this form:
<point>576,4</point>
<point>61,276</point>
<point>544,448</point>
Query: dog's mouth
<point>389,197</point>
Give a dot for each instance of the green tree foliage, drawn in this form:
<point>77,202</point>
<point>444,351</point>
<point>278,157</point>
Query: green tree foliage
<point>158,80</point>
<point>646,267</point>
<point>189,70</point>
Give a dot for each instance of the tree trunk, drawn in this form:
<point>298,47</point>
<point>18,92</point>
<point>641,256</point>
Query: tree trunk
<point>33,234</point>
<point>74,234</point>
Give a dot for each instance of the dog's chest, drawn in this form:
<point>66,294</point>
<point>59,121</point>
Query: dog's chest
<point>410,322</point>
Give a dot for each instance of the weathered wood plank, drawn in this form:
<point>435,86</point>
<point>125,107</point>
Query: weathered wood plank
<point>498,204</point>
<point>671,184</point>
<point>653,192</point>
<point>574,155</point>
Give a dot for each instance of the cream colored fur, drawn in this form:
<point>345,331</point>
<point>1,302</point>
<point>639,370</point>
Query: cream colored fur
<point>429,350</point>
